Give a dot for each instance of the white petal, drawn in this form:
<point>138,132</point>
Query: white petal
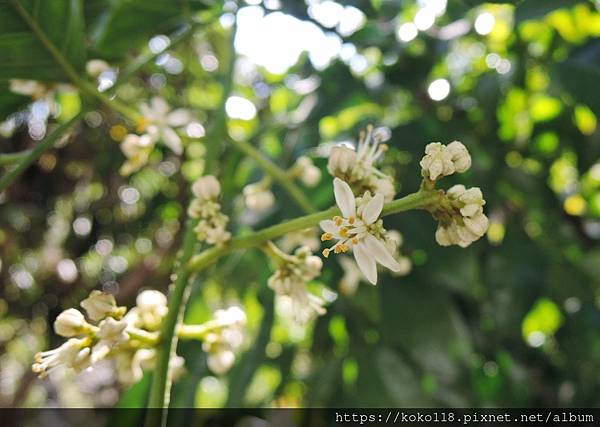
<point>344,198</point>
<point>172,140</point>
<point>365,262</point>
<point>179,117</point>
<point>159,106</point>
<point>373,209</point>
<point>380,253</point>
<point>328,226</point>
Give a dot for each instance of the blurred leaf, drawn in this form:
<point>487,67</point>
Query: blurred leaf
<point>535,9</point>
<point>23,56</point>
<point>129,22</point>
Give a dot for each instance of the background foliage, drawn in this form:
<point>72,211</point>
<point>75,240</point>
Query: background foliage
<point>513,320</point>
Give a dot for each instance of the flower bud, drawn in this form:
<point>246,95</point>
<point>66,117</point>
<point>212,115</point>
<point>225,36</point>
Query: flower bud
<point>70,323</point>
<point>220,362</point>
<point>314,265</point>
<point>257,198</point>
<point>95,67</point>
<point>206,187</point>
<point>309,174</point>
<point>460,156</point>
<point>98,305</point>
<point>437,161</point>
<point>341,160</point>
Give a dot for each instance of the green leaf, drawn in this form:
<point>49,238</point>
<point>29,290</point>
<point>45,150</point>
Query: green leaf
<point>23,56</point>
<point>535,9</point>
<point>128,23</point>
<point>10,102</point>
<point>580,74</point>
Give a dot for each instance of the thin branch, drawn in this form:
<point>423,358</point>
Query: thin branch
<point>277,173</point>
<point>12,158</point>
<point>33,154</point>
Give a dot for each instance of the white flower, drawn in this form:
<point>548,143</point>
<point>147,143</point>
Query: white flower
<point>74,354</point>
<point>460,156</point>
<point>437,161</point>
<point>341,160</point>
<point>309,174</point>
<point>137,149</point>
<point>159,121</point>
<point>359,229</point>
<point>71,323</point>
<point>352,276</point>
<point>357,168</point>
<point>206,188</point>
<point>99,304</point>
<point>258,198</point>
<point>226,335</point>
<point>289,283</point>
<point>151,308</point>
<point>95,67</point>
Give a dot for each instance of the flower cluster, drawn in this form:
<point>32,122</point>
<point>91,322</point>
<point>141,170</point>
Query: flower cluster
<point>129,338</point>
<point>357,167</point>
<point>290,280</point>
<point>110,333</point>
<point>225,335</point>
<point>460,216</point>
<point>443,160</point>
<point>360,229</point>
<point>158,123</point>
<point>212,222</point>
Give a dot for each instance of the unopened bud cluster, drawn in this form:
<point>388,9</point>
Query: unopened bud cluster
<point>290,281</point>
<point>459,213</point>
<point>357,166</point>
<point>443,160</point>
<point>212,224</point>
<point>306,171</point>
<point>130,338</point>
<point>460,216</point>
<point>224,337</point>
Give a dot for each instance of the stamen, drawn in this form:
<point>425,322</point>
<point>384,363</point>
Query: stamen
<point>326,252</point>
<point>326,236</point>
<point>340,247</point>
<point>351,219</point>
<point>338,220</point>
<point>141,124</point>
<point>344,232</point>
<point>355,241</point>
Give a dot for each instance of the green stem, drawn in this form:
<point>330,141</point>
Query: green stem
<point>12,158</point>
<point>150,338</point>
<point>276,173</point>
<point>418,200</point>
<point>33,154</point>
<point>160,389</point>
<point>83,85</point>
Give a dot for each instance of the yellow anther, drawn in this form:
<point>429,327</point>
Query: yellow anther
<point>340,247</point>
<point>355,241</point>
<point>344,232</point>
<point>351,219</point>
<point>141,124</point>
<point>338,220</point>
<point>326,252</point>
<point>326,236</point>
<point>384,147</point>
